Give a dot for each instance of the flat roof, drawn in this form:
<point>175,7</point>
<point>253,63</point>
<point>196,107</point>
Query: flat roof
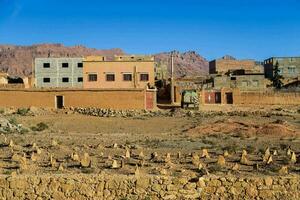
<point>284,57</point>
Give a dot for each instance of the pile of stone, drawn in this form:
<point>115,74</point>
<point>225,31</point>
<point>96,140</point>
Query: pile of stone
<point>7,126</point>
<point>101,112</point>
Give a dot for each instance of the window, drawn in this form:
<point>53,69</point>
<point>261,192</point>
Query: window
<point>79,79</point>
<point>110,77</point>
<point>244,83</point>
<point>79,65</point>
<point>46,65</point>
<point>233,78</point>
<point>255,83</point>
<point>292,70</point>
<point>144,77</point>
<point>46,80</point>
<point>65,80</point>
<point>65,65</point>
<point>127,77</point>
<point>92,77</point>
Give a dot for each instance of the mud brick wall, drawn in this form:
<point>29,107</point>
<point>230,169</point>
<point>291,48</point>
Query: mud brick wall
<point>267,98</point>
<point>113,99</point>
<point>104,186</point>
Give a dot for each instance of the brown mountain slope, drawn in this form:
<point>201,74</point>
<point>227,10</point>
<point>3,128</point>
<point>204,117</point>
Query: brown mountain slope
<point>186,64</point>
<point>17,60</point>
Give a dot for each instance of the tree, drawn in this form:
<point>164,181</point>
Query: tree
<point>277,83</point>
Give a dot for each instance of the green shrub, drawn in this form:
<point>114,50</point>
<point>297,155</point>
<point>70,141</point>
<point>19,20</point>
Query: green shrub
<point>13,121</point>
<point>24,131</point>
<point>1,111</point>
<point>40,127</point>
<point>22,111</point>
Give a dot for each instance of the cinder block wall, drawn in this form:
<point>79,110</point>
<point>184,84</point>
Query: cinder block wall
<point>56,72</point>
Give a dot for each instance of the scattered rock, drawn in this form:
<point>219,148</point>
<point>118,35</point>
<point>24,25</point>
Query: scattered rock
<point>221,161</point>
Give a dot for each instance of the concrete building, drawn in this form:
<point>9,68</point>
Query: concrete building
<point>228,72</point>
<point>223,65</point>
<point>289,67</point>
<point>161,72</point>
<point>58,72</point>
<point>245,82</point>
<point>119,72</point>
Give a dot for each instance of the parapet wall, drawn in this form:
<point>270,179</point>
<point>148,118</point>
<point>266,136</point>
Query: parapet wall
<point>104,186</point>
<point>267,98</point>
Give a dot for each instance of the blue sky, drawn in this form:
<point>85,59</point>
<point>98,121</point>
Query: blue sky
<point>243,28</point>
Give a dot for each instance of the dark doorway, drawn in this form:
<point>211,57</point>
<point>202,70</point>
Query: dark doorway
<point>218,97</point>
<point>59,102</point>
<point>229,98</point>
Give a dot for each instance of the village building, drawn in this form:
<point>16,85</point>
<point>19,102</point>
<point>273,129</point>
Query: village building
<point>118,72</point>
<point>161,72</point>
<point>228,72</point>
<point>58,72</point>
<point>288,67</point>
<point>227,63</point>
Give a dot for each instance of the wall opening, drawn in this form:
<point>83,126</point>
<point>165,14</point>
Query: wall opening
<point>59,102</point>
<point>218,97</point>
<point>229,98</point>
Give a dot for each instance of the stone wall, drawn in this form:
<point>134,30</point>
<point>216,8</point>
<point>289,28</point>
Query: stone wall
<point>104,186</point>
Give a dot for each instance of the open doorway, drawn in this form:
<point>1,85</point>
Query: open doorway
<point>229,98</point>
<point>59,102</point>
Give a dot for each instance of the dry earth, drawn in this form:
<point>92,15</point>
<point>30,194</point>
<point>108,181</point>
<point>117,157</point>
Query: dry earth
<point>106,140</point>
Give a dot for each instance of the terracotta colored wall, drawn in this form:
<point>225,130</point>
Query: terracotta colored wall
<point>114,99</point>
<point>267,98</point>
<point>118,68</point>
<point>222,66</point>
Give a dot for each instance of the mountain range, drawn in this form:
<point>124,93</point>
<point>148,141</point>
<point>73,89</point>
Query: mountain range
<point>18,60</point>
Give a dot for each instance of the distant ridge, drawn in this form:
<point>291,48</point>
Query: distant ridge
<point>17,60</point>
<point>187,64</point>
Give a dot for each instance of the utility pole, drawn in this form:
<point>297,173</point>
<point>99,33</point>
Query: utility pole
<point>172,78</point>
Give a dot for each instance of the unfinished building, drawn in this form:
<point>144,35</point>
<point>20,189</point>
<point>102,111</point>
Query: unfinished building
<point>228,72</point>
<point>289,69</point>
<point>58,72</point>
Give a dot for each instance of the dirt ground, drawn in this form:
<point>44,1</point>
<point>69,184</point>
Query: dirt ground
<point>106,140</point>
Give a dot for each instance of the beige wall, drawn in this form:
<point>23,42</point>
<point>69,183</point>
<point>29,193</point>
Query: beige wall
<point>101,68</point>
<point>267,98</point>
<point>222,66</point>
<point>114,99</point>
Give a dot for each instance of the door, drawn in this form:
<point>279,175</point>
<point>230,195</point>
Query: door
<point>218,98</point>
<point>59,102</point>
<point>229,99</point>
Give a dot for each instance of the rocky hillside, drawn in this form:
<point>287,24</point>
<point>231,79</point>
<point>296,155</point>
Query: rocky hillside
<point>185,64</point>
<point>17,60</point>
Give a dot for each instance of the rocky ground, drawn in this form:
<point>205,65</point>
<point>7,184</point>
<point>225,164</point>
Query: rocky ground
<point>241,142</point>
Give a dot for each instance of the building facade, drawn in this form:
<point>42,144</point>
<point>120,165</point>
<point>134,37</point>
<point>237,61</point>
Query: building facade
<point>246,82</point>
<point>58,72</point>
<point>161,72</point>
<point>289,67</point>
<point>119,72</point>
<point>223,65</point>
